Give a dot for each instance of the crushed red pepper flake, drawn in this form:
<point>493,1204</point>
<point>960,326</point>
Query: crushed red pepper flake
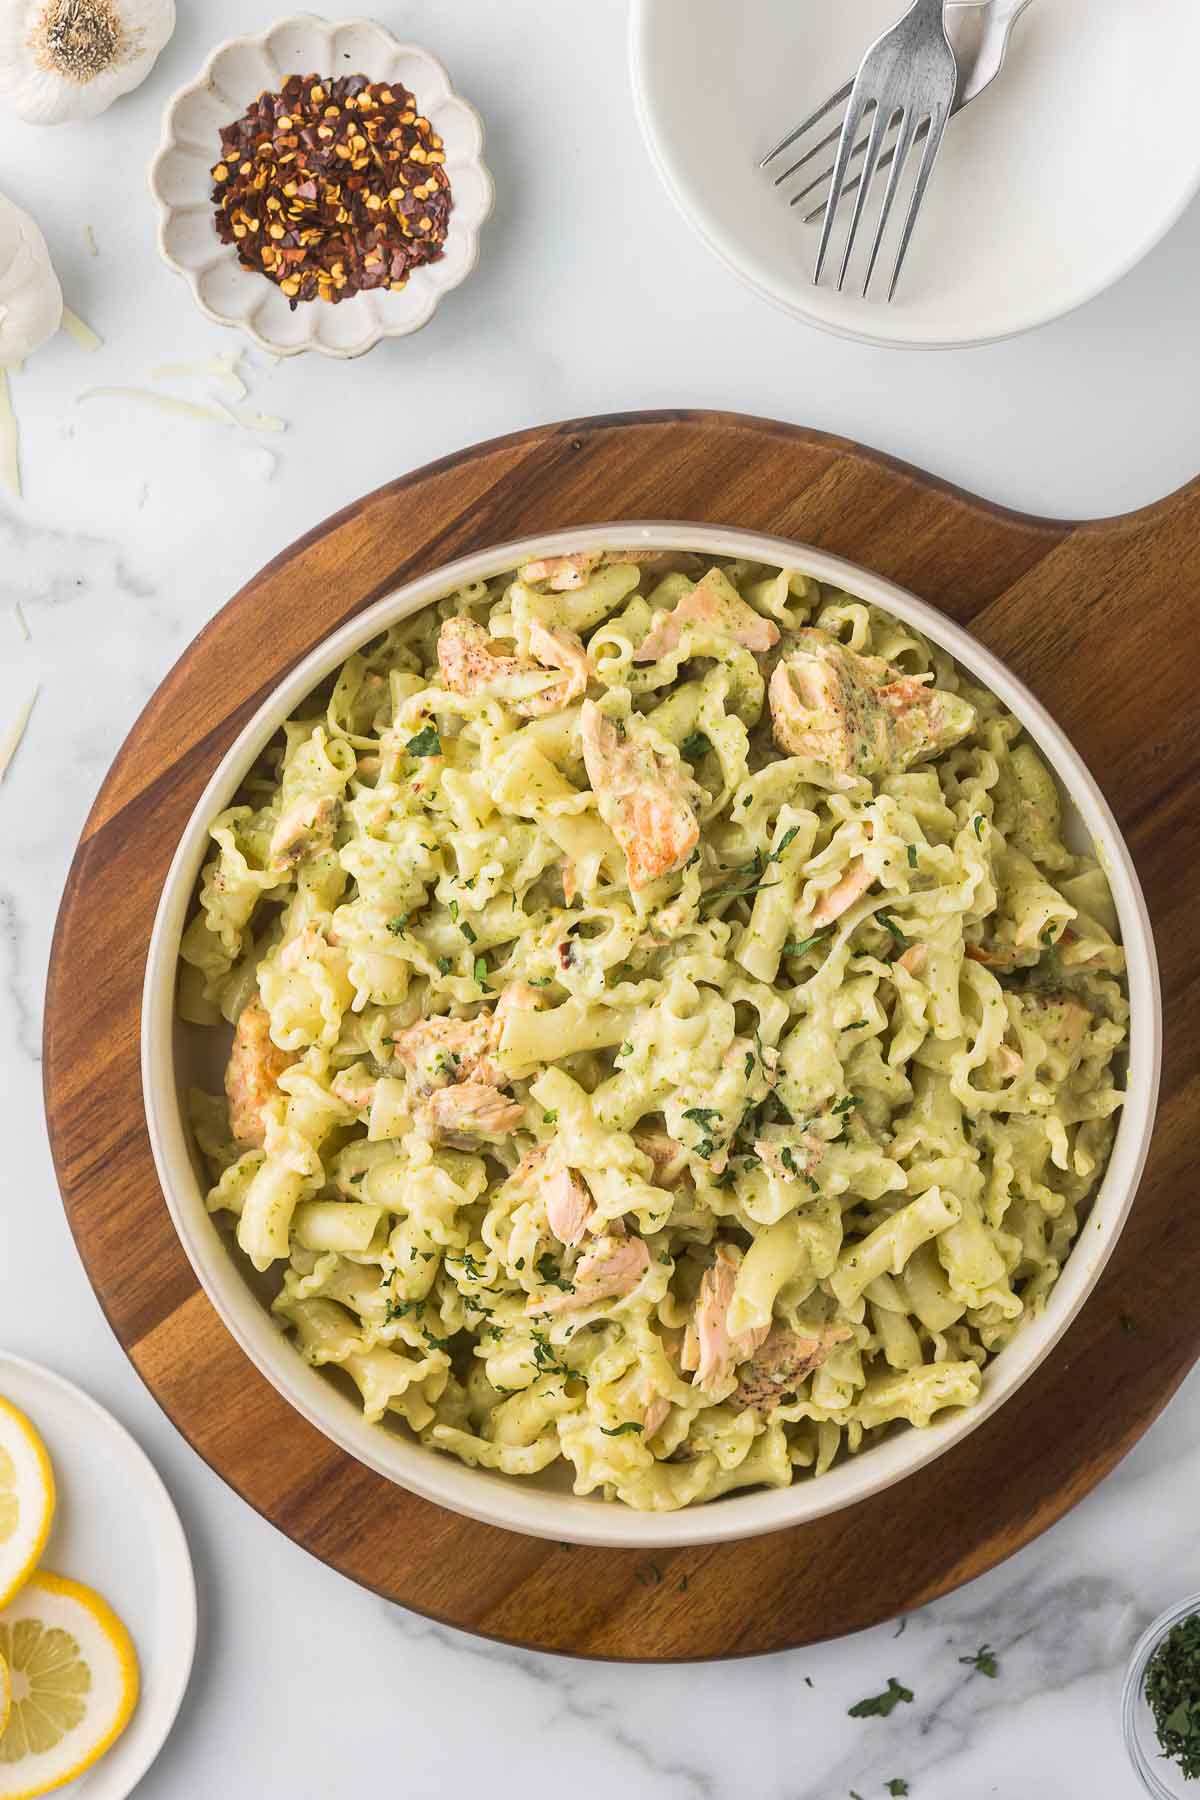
<point>330,187</point>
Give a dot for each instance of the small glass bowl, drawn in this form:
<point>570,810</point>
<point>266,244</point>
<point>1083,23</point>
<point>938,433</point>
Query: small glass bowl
<point>1161,1777</point>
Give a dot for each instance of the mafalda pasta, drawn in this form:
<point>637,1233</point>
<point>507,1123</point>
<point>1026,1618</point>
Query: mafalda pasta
<point>671,1035</point>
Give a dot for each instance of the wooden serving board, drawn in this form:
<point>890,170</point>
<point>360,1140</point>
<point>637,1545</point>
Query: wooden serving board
<point>1101,621</point>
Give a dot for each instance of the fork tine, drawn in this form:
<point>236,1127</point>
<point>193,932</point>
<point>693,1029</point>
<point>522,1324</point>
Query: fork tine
<point>855,114</point>
<point>933,143</point>
<point>880,126</point>
<point>830,137</point>
<point>900,152</point>
<point>843,93</point>
<point>810,218</point>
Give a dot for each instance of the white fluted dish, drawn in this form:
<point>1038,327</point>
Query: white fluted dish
<point>181,182</point>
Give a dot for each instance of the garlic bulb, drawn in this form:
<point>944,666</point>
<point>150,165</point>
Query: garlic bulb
<point>31,302</point>
<point>69,59</point>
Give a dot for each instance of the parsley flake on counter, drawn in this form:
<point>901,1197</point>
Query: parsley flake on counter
<point>983,1662</point>
<point>895,1786</point>
<point>879,1706</point>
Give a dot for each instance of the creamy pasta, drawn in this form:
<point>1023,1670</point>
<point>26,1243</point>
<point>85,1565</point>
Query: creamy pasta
<point>671,1036</point>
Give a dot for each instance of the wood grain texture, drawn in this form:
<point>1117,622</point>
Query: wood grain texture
<point>1100,620</point>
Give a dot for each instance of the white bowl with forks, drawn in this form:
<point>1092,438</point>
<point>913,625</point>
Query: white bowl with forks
<point>1051,185</point>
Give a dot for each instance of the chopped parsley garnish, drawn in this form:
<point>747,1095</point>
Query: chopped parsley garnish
<point>879,1706</point>
<point>400,1309</point>
<point>804,944</point>
<point>358,1175</point>
<point>694,747</point>
<point>470,1268</point>
<point>539,980</point>
<point>1172,1690</point>
<point>549,1272</point>
<point>749,1063</point>
<point>544,1356</point>
<point>664,1256</point>
<point>1048,935</point>
<point>550,1118</point>
<point>895,1786</point>
<point>793,831</point>
<point>444,965</point>
<point>983,1662</point>
<point>467,932</point>
<point>889,924</point>
<point>857,1025</point>
<point>977,821</point>
<point>453,910</point>
<point>426,743</point>
<point>703,1115</point>
<point>846,1105</point>
<point>788,1160</point>
<point>621,1430</point>
<point>626,1049</point>
<point>396,925</point>
<point>433,1340</point>
<point>912,856</point>
<point>481,971</point>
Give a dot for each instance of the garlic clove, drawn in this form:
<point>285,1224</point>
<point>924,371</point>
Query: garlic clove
<point>31,302</point>
<point>70,59</point>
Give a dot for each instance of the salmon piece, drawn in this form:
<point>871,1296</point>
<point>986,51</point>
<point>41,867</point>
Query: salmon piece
<point>564,573</point>
<point>858,714</point>
<point>914,959</point>
<point>708,1348</point>
<point>306,826</point>
<point>669,1158</point>
<point>518,996</point>
<point>252,1074</point>
<point>655,1415</point>
<point>568,1204</point>
<point>564,651</point>
<point>802,1157</point>
<point>835,901</point>
<point>610,1270</point>
<point>782,1362</point>
<point>1007,1061</point>
<point>714,602</point>
<point>356,1087</point>
<point>990,958</point>
<point>1063,1021</point>
<point>471,1109</point>
<point>439,1052</point>
<point>467,661</point>
<point>646,801</point>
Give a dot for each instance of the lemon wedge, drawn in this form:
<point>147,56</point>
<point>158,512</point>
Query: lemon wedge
<point>26,1499</point>
<point>5,1695</point>
<point>74,1678</point>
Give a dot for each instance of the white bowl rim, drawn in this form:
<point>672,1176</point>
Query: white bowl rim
<point>168,143</point>
<point>503,1501</point>
<point>1032,320</point>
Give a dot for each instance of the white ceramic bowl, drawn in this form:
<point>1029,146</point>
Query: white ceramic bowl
<point>1049,187</point>
<point>181,182</point>
<point>175,1055</point>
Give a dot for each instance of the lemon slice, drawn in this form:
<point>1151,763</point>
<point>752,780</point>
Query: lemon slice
<point>26,1499</point>
<point>74,1680</point>
<point>5,1695</point>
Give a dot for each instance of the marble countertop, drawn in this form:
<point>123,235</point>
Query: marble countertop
<point>135,527</point>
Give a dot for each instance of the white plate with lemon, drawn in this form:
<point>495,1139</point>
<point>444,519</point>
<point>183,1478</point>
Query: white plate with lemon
<point>97,1595</point>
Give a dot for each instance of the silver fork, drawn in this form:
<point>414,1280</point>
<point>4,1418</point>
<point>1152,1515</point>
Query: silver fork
<point>979,32</point>
<point>907,77</point>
